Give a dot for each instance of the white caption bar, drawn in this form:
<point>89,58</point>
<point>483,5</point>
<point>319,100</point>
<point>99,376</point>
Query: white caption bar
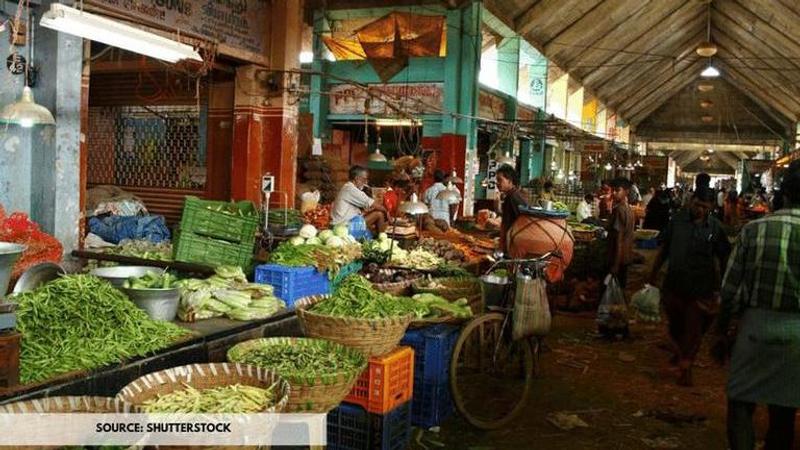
<point>162,429</point>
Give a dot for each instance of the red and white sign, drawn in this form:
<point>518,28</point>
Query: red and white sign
<point>413,98</point>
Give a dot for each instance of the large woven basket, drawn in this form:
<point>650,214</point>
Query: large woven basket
<point>317,395</point>
<point>399,288</point>
<point>451,288</point>
<point>372,337</point>
<point>205,376</point>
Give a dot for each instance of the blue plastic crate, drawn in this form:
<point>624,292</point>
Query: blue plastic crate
<point>292,283</point>
<point>433,348</point>
<point>432,404</point>
<point>647,243</point>
<point>351,427</point>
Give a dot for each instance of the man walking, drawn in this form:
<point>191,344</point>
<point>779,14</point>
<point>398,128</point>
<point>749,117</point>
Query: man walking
<point>762,286</point>
<point>691,242</point>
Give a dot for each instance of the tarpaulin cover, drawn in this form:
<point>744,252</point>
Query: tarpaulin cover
<point>116,228</point>
<point>40,246</point>
<point>388,42</point>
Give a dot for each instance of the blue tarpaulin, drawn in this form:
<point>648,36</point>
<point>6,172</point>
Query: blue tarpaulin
<point>116,228</point>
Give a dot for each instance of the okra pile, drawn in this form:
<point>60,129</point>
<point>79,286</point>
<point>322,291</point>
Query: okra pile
<point>80,322</point>
<point>233,399</point>
<point>304,361</point>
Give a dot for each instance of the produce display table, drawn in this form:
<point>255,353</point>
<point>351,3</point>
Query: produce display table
<point>199,269</point>
<point>213,338</point>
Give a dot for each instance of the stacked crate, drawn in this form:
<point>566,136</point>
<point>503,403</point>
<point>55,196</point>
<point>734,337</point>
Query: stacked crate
<point>217,233</point>
<point>433,348</point>
<point>377,412</point>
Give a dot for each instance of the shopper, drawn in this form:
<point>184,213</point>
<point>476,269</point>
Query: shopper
<point>606,200</point>
<point>658,211</point>
<point>351,201</point>
<point>439,209</point>
<point>693,240</point>
<point>508,185</point>
<point>620,231</point>
<point>762,286</point>
<point>648,196</point>
<point>584,210</point>
<point>547,194</point>
<point>732,209</point>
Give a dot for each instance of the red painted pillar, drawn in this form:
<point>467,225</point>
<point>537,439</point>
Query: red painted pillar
<point>453,156</point>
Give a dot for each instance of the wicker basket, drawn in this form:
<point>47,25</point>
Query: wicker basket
<point>78,404</point>
<point>318,395</point>
<point>451,288</point>
<point>205,376</point>
<point>372,337</point>
<point>399,288</point>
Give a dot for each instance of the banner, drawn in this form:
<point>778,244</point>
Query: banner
<point>411,98</point>
<point>239,26</point>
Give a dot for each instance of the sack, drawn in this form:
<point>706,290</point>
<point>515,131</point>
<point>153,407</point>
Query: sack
<point>116,228</point>
<point>531,315</point>
<point>612,313</point>
<point>647,303</point>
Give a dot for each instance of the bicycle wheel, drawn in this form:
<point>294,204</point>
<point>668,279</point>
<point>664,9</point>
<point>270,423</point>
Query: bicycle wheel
<point>490,375</point>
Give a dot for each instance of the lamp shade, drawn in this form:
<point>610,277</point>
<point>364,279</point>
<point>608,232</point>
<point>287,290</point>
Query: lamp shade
<point>706,49</point>
<point>413,206</point>
<point>454,178</point>
<point>25,112</point>
<point>450,194</point>
<point>705,87</point>
<point>506,160</point>
<point>377,156</point>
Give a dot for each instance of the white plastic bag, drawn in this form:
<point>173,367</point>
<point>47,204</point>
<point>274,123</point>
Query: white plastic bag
<point>531,309</point>
<point>612,314</point>
<point>647,303</point>
<point>309,200</point>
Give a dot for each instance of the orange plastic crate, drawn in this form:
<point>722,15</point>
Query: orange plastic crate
<point>388,382</point>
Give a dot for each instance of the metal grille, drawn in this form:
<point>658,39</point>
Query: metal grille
<point>149,147</point>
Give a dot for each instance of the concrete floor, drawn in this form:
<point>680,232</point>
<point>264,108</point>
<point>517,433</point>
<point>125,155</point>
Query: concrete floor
<point>624,391</point>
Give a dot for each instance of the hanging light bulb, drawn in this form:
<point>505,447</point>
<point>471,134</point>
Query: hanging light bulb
<point>710,72</point>
<point>608,166</point>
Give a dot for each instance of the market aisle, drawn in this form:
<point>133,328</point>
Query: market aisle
<point>625,393</point>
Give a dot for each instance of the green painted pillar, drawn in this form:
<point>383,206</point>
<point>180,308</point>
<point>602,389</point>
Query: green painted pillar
<point>508,65</point>
<point>318,103</point>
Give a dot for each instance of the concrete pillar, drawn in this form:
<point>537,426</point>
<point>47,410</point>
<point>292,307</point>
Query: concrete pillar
<point>265,118</point>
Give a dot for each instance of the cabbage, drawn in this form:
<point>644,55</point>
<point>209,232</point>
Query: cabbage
<point>308,231</point>
<point>297,240</point>
<point>325,234</point>
<point>314,241</point>
<point>334,241</point>
<point>383,237</point>
<point>349,239</point>
<point>341,230</point>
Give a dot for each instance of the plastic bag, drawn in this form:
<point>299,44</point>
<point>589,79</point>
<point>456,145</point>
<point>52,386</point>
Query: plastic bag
<point>647,303</point>
<point>612,314</point>
<point>309,201</point>
<point>531,315</point>
<point>116,228</point>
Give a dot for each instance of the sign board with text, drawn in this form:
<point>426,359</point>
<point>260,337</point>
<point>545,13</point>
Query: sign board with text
<point>413,98</point>
<point>238,26</point>
<point>491,179</point>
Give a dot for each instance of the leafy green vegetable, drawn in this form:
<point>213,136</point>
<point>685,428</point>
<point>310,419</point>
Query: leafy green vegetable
<point>80,322</point>
<point>355,297</point>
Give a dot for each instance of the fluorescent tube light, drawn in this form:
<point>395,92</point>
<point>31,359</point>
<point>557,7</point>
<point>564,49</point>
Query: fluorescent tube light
<point>116,34</point>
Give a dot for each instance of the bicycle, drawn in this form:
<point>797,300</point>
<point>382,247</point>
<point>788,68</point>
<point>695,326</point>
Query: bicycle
<point>489,371</point>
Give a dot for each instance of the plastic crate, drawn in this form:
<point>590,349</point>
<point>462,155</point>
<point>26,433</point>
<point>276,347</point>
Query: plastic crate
<point>190,247</point>
<point>201,218</point>
<point>387,382</point>
<point>345,271</point>
<point>432,404</point>
<point>351,427</point>
<point>433,348</point>
<point>648,244</point>
<point>292,283</point>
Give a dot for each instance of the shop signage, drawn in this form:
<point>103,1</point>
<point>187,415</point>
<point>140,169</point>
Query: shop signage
<point>526,114</point>
<point>413,98</point>
<point>655,162</point>
<point>491,106</point>
<point>593,147</point>
<point>238,26</point>
<point>491,179</point>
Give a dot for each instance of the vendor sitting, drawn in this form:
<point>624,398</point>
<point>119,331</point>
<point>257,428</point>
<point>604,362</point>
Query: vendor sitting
<point>352,202</point>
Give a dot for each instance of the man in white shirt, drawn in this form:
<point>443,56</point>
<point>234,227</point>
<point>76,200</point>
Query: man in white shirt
<point>584,210</point>
<point>651,192</point>
<point>439,209</point>
<point>351,201</point>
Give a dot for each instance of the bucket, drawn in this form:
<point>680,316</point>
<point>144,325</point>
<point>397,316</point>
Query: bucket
<point>9,253</point>
<point>493,289</point>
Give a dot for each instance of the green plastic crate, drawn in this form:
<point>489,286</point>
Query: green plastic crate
<point>192,248</point>
<point>201,217</point>
<point>349,269</point>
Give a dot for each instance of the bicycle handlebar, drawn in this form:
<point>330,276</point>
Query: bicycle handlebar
<point>542,258</point>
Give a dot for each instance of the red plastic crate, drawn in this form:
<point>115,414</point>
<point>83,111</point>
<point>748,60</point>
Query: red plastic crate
<point>388,382</point>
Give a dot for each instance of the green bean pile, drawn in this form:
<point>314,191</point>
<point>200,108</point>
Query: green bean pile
<point>304,362</point>
<point>233,399</point>
<point>81,322</point>
<point>355,297</point>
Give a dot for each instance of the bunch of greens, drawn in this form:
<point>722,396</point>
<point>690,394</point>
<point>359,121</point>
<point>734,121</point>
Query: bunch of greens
<point>80,322</point>
<point>151,280</point>
<point>355,297</point>
<point>233,399</point>
<point>302,361</point>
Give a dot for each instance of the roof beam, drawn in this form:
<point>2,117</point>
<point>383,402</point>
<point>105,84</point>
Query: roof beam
<point>633,79</point>
<point>635,98</point>
<point>774,16</point>
<point>552,14</point>
<point>643,43</point>
<point>620,36</point>
<point>648,105</point>
<point>762,103</point>
<point>594,24</point>
<point>687,157</point>
<point>728,159</point>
